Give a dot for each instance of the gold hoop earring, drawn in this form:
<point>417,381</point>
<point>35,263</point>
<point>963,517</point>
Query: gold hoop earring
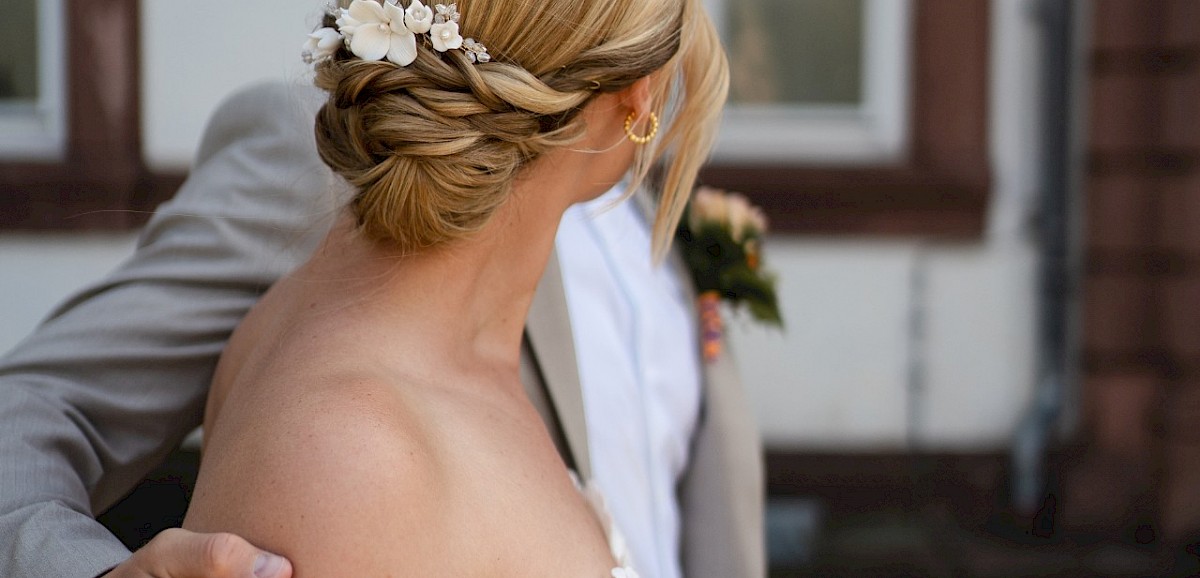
<point>645,138</point>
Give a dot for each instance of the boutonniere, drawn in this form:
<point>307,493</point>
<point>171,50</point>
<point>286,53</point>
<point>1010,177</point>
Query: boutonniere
<point>721,239</point>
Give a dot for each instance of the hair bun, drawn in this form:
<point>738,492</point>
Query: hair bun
<point>432,145</point>
<point>432,148</point>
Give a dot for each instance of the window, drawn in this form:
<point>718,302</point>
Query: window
<point>31,95</point>
<point>89,173</point>
<point>928,174</point>
<point>815,81</point>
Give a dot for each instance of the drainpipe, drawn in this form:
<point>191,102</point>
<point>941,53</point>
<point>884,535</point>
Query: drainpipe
<point>1059,230</point>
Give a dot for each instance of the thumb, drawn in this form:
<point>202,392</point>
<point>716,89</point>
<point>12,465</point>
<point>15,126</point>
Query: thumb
<point>178,553</point>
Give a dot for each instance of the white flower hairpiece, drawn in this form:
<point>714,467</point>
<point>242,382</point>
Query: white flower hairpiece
<point>321,44</point>
<point>379,29</point>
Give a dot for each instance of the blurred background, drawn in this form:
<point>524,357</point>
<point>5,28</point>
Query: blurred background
<point>986,225</point>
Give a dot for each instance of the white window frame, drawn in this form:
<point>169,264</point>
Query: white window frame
<point>875,132</point>
<point>37,130</point>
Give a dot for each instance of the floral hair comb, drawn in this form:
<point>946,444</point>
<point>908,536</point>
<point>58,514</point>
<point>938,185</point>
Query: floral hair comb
<point>375,30</point>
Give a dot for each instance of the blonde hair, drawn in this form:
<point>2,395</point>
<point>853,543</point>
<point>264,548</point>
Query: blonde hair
<point>433,148</point>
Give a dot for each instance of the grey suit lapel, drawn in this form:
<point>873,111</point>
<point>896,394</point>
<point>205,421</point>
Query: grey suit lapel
<point>548,329</point>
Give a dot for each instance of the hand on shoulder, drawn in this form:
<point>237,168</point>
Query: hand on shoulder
<point>178,553</point>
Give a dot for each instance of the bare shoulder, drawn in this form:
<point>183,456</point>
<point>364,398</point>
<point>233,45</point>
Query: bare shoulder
<point>356,476</point>
<point>324,476</point>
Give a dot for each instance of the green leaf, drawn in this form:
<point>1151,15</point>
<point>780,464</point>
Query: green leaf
<point>718,263</point>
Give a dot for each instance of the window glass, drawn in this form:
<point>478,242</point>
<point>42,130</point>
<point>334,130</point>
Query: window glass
<point>32,63</point>
<point>19,52</point>
<point>820,82</point>
<point>795,52</point>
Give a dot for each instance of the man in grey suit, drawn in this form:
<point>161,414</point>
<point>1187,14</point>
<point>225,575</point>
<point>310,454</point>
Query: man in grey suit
<point>118,375</point>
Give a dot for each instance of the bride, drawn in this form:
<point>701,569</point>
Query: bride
<point>367,417</point>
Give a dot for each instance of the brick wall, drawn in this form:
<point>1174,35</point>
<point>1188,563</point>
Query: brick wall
<point>1141,390</point>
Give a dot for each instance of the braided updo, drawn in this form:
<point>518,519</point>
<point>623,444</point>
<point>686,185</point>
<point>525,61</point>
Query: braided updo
<point>432,148</point>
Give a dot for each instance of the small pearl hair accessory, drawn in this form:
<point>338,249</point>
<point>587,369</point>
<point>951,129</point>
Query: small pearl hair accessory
<point>381,29</point>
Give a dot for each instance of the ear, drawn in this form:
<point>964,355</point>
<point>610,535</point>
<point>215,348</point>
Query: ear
<point>638,97</point>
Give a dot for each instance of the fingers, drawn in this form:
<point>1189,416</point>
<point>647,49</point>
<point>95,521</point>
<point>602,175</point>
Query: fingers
<point>177,553</point>
<point>271,566</point>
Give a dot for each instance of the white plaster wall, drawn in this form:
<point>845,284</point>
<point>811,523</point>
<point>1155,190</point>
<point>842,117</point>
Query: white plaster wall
<point>836,376</point>
<point>890,344</point>
<point>39,271</point>
<point>979,354</point>
<point>196,53</point>
<point>893,345</point>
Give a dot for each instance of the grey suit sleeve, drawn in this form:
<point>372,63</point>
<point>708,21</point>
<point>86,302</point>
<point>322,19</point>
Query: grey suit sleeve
<point>117,376</point>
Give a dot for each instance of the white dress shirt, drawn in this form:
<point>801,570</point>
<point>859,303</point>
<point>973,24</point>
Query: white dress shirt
<point>637,348</point>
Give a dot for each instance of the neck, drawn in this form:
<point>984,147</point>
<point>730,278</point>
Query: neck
<point>459,305</point>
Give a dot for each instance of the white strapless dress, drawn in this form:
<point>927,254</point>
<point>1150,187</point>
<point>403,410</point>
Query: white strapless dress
<point>616,542</point>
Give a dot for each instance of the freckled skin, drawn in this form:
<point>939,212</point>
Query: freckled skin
<point>367,417</point>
